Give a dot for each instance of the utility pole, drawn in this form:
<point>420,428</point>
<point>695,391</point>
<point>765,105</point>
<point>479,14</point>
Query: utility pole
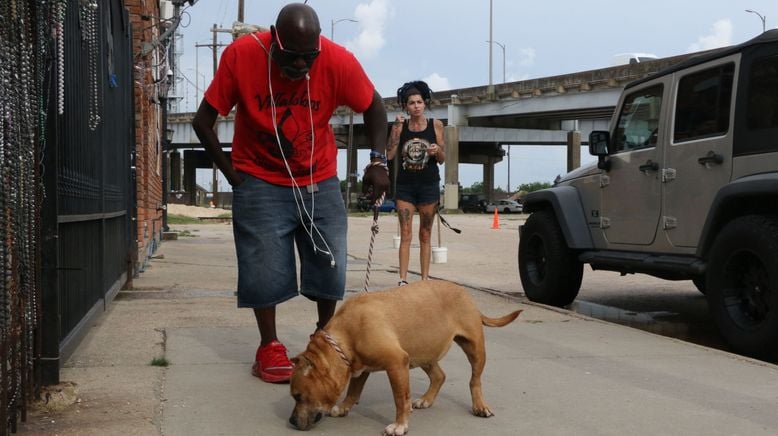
<point>509,169</point>
<point>215,182</point>
<point>214,46</point>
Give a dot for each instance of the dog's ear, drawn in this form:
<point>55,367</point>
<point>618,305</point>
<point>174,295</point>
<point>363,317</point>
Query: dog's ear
<point>302,361</point>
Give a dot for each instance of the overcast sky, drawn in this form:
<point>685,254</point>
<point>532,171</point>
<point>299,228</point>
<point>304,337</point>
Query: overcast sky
<point>444,43</point>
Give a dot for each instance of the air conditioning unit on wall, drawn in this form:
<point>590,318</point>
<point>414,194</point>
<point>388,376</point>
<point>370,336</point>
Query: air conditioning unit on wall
<point>165,9</point>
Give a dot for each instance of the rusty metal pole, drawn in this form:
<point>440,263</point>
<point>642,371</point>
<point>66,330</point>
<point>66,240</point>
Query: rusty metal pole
<point>215,182</point>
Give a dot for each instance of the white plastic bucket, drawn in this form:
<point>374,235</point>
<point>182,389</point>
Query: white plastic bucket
<point>396,241</point>
<point>439,254</point>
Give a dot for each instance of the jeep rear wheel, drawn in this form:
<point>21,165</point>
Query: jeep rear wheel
<point>743,285</point>
<point>550,272</point>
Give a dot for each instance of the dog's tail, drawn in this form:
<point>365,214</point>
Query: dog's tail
<point>501,321</point>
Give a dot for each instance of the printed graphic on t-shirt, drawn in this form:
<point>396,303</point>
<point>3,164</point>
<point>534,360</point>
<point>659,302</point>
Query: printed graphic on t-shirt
<point>415,154</point>
<point>287,99</point>
<point>294,134</point>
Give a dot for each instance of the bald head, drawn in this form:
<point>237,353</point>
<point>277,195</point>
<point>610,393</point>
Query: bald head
<point>298,19</point>
<point>298,44</point>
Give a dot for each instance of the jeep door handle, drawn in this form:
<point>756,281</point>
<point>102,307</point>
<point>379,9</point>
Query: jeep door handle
<point>711,158</point>
<point>649,166</point>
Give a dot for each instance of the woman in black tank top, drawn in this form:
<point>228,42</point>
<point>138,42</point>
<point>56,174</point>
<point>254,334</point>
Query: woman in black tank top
<point>417,146</point>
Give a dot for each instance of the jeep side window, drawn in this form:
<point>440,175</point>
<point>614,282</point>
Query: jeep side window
<point>639,120</point>
<point>703,103</point>
<point>762,111</point>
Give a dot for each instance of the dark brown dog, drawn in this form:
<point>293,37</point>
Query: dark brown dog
<point>394,330</point>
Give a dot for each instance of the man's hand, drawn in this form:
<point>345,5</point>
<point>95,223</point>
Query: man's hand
<point>376,181</point>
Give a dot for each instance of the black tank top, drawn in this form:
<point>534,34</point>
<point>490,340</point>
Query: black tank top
<point>416,166</point>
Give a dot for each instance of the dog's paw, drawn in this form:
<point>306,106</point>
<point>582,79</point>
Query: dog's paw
<point>338,411</point>
<point>482,411</point>
<point>421,403</point>
<point>395,429</point>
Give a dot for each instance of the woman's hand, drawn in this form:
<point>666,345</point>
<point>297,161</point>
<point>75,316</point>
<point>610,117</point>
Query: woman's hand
<point>399,120</point>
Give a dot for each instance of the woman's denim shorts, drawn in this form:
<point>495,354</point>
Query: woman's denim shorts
<point>268,221</point>
<point>418,194</point>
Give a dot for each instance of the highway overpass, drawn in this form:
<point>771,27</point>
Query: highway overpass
<point>556,110</point>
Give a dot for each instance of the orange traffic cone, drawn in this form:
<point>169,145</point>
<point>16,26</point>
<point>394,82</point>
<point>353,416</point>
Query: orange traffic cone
<point>496,221</point>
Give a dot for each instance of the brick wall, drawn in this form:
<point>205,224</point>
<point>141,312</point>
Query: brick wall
<point>148,126</point>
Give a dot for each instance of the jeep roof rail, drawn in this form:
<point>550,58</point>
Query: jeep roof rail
<point>770,36</point>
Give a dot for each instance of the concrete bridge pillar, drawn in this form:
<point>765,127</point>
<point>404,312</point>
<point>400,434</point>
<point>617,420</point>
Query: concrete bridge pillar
<point>175,171</point>
<point>573,150</point>
<point>489,178</point>
<point>456,118</point>
<point>456,112</point>
<point>451,176</point>
<point>190,178</point>
<point>573,144</point>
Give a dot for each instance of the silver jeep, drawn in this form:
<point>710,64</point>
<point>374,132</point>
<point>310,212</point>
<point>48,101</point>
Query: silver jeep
<point>685,188</point>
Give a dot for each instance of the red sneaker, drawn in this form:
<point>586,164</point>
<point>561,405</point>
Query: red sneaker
<point>271,363</point>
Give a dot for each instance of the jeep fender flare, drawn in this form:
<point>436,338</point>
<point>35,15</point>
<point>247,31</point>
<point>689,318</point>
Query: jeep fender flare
<point>740,197</point>
<point>566,203</point>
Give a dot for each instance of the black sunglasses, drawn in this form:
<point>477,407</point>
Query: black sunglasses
<point>289,56</point>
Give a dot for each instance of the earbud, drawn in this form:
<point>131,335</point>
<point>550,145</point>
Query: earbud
<point>332,263</point>
<point>307,76</point>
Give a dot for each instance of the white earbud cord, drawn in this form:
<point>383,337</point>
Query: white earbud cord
<point>296,192</point>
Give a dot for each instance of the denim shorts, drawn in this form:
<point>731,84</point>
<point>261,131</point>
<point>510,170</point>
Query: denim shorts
<point>268,224</point>
<point>418,194</point>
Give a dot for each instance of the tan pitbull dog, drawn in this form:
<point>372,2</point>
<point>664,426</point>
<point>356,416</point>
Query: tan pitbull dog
<point>393,330</point>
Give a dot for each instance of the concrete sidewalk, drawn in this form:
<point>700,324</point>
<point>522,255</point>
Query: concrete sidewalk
<point>551,372</point>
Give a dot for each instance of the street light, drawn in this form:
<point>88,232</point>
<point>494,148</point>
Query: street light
<point>490,46</point>
<point>334,22</point>
<point>502,46</point>
<point>761,17</point>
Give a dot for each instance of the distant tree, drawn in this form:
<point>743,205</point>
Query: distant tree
<point>357,188</point>
<point>533,186</point>
<point>475,188</point>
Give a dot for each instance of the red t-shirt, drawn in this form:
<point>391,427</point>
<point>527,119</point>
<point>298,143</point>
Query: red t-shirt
<point>336,78</point>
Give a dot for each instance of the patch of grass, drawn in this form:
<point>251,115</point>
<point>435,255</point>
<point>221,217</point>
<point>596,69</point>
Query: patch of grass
<point>225,215</point>
<point>185,234</point>
<point>181,219</point>
<point>160,361</point>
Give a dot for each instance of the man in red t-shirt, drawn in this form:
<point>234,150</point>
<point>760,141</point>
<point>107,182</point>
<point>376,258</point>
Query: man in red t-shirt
<point>286,84</point>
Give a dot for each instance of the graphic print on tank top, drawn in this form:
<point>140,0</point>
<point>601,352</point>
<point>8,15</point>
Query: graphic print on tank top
<point>415,154</point>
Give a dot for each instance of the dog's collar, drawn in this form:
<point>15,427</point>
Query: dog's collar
<point>330,340</point>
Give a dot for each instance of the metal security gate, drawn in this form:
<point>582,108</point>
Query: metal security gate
<point>88,231</point>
